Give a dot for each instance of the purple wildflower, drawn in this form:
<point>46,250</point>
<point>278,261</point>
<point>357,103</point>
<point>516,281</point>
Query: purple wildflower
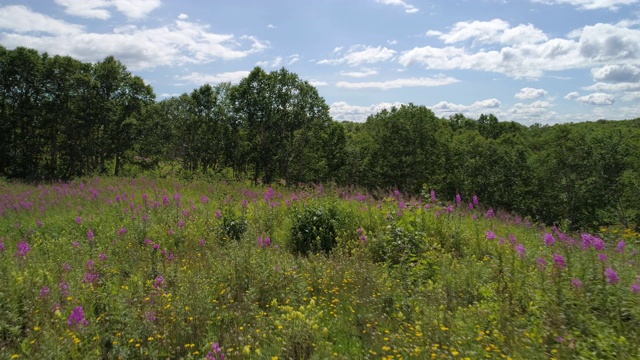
<point>215,353</point>
<point>602,257</point>
<point>75,244</point>
<point>635,288</point>
<point>520,250</point>
<point>158,282</point>
<point>23,249</point>
<point>204,199</point>
<point>512,239</point>
<point>490,214</point>
<point>542,264</point>
<point>491,235</point>
<point>559,262</point>
<point>77,319</point>
<point>122,231</point>
<point>39,223</point>
<point>2,247</point>
<point>458,199</point>
<point>576,283</point>
<point>90,264</point>
<point>218,214</point>
<point>44,292</point>
<point>549,240</point>
<point>150,316</point>
<point>201,242</point>
<point>171,232</point>
<point>475,200</point>
<point>433,195</point>
<point>612,276</point>
<point>620,247</point>
<point>90,278</point>
<point>78,220</point>
<point>90,235</point>
<point>64,288</point>
<point>598,244</point>
<point>66,267</point>
<point>102,256</point>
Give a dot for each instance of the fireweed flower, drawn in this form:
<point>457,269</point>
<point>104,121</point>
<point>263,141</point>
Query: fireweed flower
<point>458,199</point>
<point>77,319</point>
<point>612,276</point>
<point>23,249</point>
<point>490,214</point>
<point>44,292</point>
<point>433,195</point>
<point>491,235</point>
<point>520,250</point>
<point>635,288</point>
<point>64,288</point>
<point>620,247</point>
<point>602,257</point>
<point>78,220</point>
<point>559,262</point>
<point>598,244</point>
<point>158,282</point>
<point>90,235</point>
<point>576,283</point>
<point>512,239</point>
<point>549,240</point>
<point>475,200</point>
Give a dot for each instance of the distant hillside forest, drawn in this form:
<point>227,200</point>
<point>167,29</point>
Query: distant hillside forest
<point>61,118</point>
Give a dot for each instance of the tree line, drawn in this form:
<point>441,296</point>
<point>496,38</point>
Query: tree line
<point>61,118</point>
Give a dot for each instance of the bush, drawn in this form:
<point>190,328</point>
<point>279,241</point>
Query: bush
<point>314,229</point>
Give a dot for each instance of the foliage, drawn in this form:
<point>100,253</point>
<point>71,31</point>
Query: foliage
<point>143,268</point>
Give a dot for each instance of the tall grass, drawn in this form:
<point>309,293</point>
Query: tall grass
<point>138,268</point>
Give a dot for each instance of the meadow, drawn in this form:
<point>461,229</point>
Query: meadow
<point>107,268</point>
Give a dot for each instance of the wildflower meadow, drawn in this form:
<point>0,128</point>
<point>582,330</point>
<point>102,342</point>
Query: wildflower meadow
<point>108,268</point>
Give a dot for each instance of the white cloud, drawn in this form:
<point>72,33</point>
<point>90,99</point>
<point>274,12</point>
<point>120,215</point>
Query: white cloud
<point>398,83</point>
<point>292,59</point>
<point>444,108</point>
<point>317,83</point>
<point>183,16</point>
<point>98,9</point>
<point>572,95</point>
<point>409,9</point>
<point>277,62</point>
<point>530,93</point>
<point>21,19</point>
<point>342,111</point>
<point>180,43</point>
<point>591,4</point>
<point>590,46</point>
<point>359,74</point>
<point>271,26</point>
<point>598,99</point>
<point>617,73</point>
<point>631,96</point>
<point>496,31</point>
<point>360,54</point>
<point>201,79</point>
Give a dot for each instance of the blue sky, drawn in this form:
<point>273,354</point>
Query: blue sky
<point>531,61</point>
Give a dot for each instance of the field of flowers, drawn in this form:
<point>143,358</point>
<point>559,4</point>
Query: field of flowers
<point>136,268</point>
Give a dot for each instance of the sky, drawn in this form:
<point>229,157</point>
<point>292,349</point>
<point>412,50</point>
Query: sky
<point>530,61</point>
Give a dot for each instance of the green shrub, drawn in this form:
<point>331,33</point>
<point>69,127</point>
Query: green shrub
<point>315,229</point>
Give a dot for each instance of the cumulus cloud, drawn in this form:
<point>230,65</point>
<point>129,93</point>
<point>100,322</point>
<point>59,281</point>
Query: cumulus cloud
<point>530,93</point>
<point>181,42</point>
<point>183,16</point>
<point>598,99</point>
<point>201,79</point>
<point>360,54</point>
<point>617,73</point>
<point>409,9</point>
<point>572,95</point>
<point>342,111</point>
<point>20,19</point>
<point>589,46</point>
<point>318,83</point>
<point>445,108</point>
<point>591,4</point>
<point>99,9</point>
<point>495,31</point>
<point>398,83</point>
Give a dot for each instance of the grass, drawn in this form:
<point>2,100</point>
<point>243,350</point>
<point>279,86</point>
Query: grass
<point>165,269</point>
